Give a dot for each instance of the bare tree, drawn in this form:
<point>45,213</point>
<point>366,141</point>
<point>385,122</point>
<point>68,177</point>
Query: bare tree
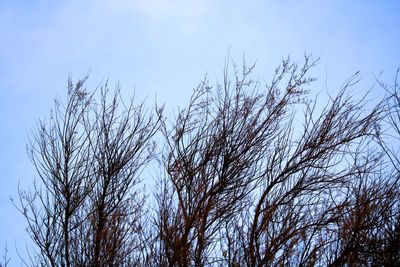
<point>252,175</point>
<point>245,186</point>
<point>86,209</point>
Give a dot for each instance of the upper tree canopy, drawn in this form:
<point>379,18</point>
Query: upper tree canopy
<point>253,175</point>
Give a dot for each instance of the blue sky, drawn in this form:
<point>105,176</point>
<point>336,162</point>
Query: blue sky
<point>164,48</point>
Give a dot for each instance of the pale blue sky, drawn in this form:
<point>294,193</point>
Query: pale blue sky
<point>164,48</point>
